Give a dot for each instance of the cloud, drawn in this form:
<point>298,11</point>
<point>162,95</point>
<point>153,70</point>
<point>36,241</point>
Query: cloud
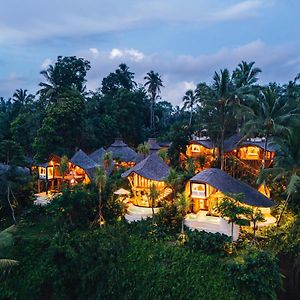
<point>115,53</point>
<point>75,19</point>
<point>46,63</point>
<point>238,11</point>
<point>183,72</point>
<point>94,51</point>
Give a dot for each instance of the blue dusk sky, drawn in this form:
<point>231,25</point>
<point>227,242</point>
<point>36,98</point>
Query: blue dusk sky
<point>184,41</point>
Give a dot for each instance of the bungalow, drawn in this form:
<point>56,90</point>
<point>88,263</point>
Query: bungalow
<point>207,187</point>
<point>81,169</point>
<point>203,151</point>
<point>97,156</point>
<point>150,171</point>
<point>123,155</point>
<point>153,145</point>
<point>249,151</point>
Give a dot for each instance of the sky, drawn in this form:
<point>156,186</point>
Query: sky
<point>184,41</point>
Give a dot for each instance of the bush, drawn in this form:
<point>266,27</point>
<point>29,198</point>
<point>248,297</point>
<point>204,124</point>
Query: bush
<point>76,208</point>
<point>256,273</point>
<point>168,218</point>
<point>207,242</point>
<point>111,263</point>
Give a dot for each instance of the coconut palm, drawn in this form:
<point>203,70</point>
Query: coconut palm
<point>273,114</point>
<point>174,181</point>
<point>245,74</point>
<point>6,240</point>
<point>153,84</point>
<point>183,204</point>
<point>63,167</point>
<point>125,77</point>
<point>21,97</point>
<point>255,216</point>
<point>51,86</point>
<point>100,181</point>
<point>225,94</point>
<point>189,101</point>
<point>143,149</point>
<point>286,166</point>
<point>107,160</point>
<point>153,195</point>
<point>230,208</point>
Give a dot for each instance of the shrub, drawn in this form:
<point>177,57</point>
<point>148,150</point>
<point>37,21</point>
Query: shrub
<point>207,242</point>
<point>76,208</point>
<point>256,273</point>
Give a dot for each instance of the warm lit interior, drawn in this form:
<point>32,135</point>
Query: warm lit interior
<point>141,190</point>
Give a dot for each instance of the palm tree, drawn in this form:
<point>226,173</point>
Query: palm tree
<point>273,114</point>
<point>225,94</point>
<point>154,193</point>
<point>143,149</point>
<point>153,84</point>
<point>125,77</point>
<point>107,160</point>
<point>21,97</point>
<point>255,216</point>
<point>245,74</point>
<point>51,86</point>
<point>100,180</point>
<point>286,165</point>
<point>6,264</point>
<point>232,210</point>
<point>174,180</point>
<point>183,204</point>
<point>63,167</point>
<point>6,240</point>
<point>189,100</point>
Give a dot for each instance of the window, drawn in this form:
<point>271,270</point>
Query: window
<point>195,148</point>
<point>198,190</point>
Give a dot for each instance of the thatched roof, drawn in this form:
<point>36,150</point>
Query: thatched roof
<point>81,160</point>
<point>152,167</point>
<point>237,141</point>
<point>153,145</point>
<point>227,184</point>
<point>121,151</point>
<point>203,142</point>
<point>97,156</point>
<point>165,144</point>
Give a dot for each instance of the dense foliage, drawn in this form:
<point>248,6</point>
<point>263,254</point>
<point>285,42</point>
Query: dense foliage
<point>110,265</point>
<point>62,252</point>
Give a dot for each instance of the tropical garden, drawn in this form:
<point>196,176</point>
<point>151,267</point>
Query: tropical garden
<point>79,246</point>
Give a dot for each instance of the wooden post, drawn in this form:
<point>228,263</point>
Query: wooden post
<point>39,186</point>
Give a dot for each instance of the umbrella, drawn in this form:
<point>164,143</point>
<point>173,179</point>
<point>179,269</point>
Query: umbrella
<point>121,192</point>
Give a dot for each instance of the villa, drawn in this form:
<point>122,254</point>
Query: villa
<point>205,190</point>
<point>81,169</point>
<point>122,154</point>
<point>250,151</point>
<point>203,151</point>
<point>150,172</point>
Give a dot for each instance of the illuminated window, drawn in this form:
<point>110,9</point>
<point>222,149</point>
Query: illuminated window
<point>50,172</point>
<point>198,190</point>
<point>195,148</point>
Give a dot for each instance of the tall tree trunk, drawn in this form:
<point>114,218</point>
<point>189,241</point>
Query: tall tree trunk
<point>151,112</point>
<point>191,116</point>
<point>10,205</point>
<point>222,149</point>
<point>263,166</point>
<point>182,225</point>
<point>283,209</point>
<point>100,216</point>
<point>232,232</point>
